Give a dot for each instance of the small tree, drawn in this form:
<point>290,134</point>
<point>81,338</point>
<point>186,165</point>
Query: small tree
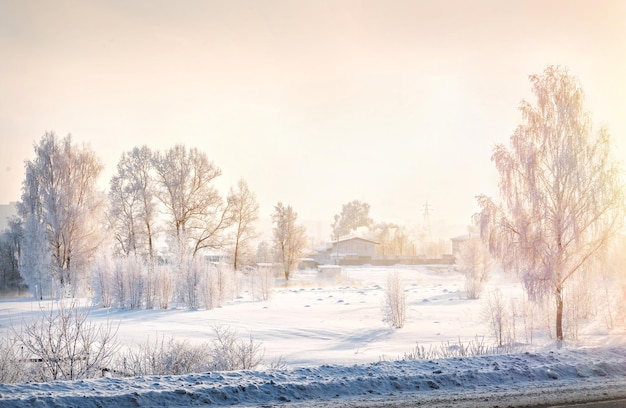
<point>244,212</point>
<point>289,237</point>
<point>562,193</point>
<point>498,317</point>
<point>394,301</point>
<point>474,262</point>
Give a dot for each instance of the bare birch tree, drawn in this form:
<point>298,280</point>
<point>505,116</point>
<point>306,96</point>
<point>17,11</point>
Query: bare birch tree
<point>60,195</point>
<point>245,212</point>
<point>185,187</point>
<point>132,203</point>
<point>561,191</point>
<point>289,237</point>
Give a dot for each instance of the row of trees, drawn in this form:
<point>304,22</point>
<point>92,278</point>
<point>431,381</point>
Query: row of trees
<point>154,198</point>
<point>162,206</point>
<point>179,184</point>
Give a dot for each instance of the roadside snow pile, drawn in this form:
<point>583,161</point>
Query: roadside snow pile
<point>328,383</point>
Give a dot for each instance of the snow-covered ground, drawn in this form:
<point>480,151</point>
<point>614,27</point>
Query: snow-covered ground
<point>338,350</point>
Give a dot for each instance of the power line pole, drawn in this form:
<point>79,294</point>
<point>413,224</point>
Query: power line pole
<point>426,222</point>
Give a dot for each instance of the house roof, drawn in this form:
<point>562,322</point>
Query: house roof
<point>348,238</point>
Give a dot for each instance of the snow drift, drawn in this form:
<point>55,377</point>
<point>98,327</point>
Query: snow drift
<point>602,369</point>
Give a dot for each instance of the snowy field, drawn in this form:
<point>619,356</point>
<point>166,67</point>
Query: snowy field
<point>336,349</point>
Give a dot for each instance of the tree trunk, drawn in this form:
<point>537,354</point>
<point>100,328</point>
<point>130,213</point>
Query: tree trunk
<point>559,313</point>
<point>150,249</point>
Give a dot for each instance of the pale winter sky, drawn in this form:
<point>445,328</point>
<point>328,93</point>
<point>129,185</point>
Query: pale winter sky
<point>313,103</point>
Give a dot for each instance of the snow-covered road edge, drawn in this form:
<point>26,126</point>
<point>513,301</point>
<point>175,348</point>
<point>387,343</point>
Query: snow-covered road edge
<point>484,377</point>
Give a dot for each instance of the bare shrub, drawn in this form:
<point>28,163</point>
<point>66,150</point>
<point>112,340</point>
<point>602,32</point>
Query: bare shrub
<point>64,345</point>
<point>119,284</point>
<point>150,286</point>
<point>135,278</point>
<point>498,317</point>
<point>277,364</point>
<point>474,262</point>
<point>102,282</point>
<point>163,357</point>
<point>226,352</point>
<point>164,286</point>
<point>232,353</point>
<point>528,314</point>
<point>208,289</point>
<point>126,281</point>
<point>189,282</point>
<point>217,284</point>
<point>12,366</point>
<point>394,301</point>
<point>268,281</point>
<point>262,281</point>
<point>472,348</point>
<point>581,304</point>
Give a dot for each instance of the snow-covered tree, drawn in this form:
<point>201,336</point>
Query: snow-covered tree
<point>35,262</point>
<point>394,301</point>
<point>132,203</point>
<point>289,237</point>
<point>10,250</point>
<point>392,239</point>
<point>353,215</point>
<point>474,262</point>
<point>264,252</point>
<point>59,197</point>
<point>383,233</point>
<point>562,194</point>
<point>244,213</point>
<point>195,208</point>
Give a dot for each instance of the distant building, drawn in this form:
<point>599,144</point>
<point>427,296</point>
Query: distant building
<point>458,241</point>
<point>346,251</point>
<point>7,211</point>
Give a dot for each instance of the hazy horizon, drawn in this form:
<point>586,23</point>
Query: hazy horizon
<point>314,104</point>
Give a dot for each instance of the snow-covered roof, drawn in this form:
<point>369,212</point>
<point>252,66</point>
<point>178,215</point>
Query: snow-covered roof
<point>352,238</point>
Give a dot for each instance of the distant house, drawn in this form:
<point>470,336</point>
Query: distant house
<point>347,251</point>
<point>459,240</point>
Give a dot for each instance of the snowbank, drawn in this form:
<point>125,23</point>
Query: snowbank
<point>554,376</point>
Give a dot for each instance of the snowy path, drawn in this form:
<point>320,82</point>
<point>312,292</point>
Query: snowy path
<point>513,380</point>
